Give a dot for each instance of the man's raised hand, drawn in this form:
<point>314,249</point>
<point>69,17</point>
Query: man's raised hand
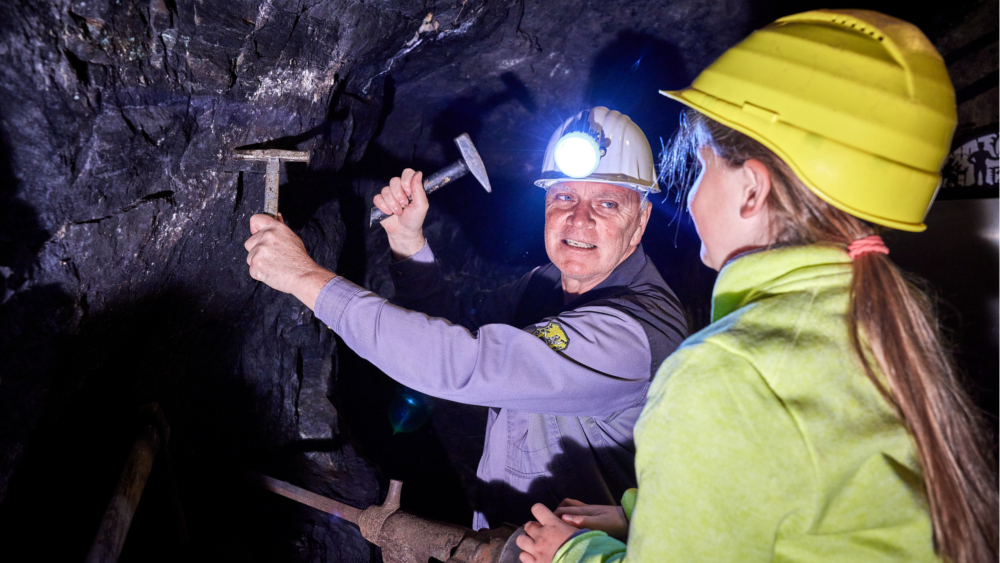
<point>278,258</point>
<point>405,201</point>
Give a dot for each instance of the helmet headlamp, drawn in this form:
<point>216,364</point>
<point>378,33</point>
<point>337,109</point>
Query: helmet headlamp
<point>577,154</point>
<point>599,145</point>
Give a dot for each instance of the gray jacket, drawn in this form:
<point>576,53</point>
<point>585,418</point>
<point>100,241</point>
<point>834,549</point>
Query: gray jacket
<point>566,382</point>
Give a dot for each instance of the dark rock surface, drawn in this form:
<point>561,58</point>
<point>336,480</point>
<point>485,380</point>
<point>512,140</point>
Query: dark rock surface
<point>123,216</point>
<point>125,277</point>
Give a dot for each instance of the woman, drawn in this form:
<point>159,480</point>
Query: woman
<point>819,416</point>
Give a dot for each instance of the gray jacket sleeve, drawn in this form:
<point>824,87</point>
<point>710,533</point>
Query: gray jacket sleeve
<point>596,361</point>
<point>421,286</point>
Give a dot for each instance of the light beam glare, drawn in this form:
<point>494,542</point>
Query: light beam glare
<point>409,410</point>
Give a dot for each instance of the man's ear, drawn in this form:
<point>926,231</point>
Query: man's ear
<point>641,227</point>
<point>756,188</point>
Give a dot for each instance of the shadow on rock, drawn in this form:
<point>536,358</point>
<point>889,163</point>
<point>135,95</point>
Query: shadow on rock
<point>627,75</point>
<point>242,385</point>
<point>34,317</point>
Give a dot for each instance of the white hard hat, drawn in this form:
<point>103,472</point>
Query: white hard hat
<point>600,145</point>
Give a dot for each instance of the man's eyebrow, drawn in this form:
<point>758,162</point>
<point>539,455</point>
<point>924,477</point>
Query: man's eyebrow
<point>612,195</point>
<point>609,194</point>
<point>557,191</point>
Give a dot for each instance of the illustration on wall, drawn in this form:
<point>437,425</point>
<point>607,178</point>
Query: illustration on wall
<point>974,163</point>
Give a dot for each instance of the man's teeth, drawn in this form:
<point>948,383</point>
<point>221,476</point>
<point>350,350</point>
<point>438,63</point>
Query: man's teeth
<point>578,244</point>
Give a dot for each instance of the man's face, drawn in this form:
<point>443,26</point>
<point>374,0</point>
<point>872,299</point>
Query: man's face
<point>591,228</point>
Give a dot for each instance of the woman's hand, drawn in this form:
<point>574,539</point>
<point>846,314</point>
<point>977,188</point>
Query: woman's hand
<point>543,539</point>
<point>608,519</point>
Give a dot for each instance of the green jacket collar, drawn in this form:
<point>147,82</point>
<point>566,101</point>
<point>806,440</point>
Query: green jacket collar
<point>756,275</point>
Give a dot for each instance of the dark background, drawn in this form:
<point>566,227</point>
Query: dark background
<point>123,216</point>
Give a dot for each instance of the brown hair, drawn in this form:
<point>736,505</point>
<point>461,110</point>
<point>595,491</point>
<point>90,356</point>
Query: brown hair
<point>889,320</point>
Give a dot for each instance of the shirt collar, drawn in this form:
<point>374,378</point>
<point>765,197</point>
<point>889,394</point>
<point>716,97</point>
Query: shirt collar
<point>621,276</point>
<point>756,275</point>
<point>626,271</point>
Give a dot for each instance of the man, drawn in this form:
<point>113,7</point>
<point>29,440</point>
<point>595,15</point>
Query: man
<point>978,160</point>
<point>563,356</point>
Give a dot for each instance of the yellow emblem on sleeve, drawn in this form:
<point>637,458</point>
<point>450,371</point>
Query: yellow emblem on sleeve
<point>553,335</point>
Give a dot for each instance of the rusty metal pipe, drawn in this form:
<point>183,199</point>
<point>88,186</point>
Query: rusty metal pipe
<point>403,537</point>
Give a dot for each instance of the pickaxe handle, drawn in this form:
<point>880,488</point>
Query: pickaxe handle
<point>307,498</point>
<point>439,179</point>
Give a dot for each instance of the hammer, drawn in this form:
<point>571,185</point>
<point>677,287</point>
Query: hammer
<point>273,157</point>
<point>470,162</point>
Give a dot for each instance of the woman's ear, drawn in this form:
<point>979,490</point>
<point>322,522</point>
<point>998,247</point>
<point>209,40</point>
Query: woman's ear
<point>756,188</point>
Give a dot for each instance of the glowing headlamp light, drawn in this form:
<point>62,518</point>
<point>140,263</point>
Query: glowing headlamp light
<point>577,154</point>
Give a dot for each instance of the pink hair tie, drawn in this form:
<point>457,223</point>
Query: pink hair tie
<point>868,244</point>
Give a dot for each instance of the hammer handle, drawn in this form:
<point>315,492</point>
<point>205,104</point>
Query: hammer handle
<point>271,188</point>
<point>437,180</point>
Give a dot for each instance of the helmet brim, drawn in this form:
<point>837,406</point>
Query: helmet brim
<point>620,180</point>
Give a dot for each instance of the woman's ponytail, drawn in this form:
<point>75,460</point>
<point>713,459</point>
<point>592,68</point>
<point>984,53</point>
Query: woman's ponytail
<point>898,322</point>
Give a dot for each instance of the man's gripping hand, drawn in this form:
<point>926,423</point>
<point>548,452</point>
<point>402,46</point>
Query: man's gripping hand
<point>278,258</point>
<point>608,519</point>
<point>405,201</point>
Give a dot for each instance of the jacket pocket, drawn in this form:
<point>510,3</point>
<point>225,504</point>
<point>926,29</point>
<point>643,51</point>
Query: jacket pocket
<point>535,446</point>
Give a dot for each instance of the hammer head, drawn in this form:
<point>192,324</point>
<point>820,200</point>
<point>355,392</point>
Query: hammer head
<point>272,157</point>
<point>472,160</point>
<point>271,154</point>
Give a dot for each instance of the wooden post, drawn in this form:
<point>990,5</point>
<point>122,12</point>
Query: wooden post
<point>114,527</point>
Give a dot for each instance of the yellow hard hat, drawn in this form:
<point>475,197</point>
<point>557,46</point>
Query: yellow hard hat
<point>857,103</point>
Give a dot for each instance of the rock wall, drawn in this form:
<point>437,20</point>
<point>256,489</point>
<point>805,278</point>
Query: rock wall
<point>123,265</point>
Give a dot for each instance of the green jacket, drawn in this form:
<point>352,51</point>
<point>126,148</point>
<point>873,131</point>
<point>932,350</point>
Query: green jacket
<point>764,440</point>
